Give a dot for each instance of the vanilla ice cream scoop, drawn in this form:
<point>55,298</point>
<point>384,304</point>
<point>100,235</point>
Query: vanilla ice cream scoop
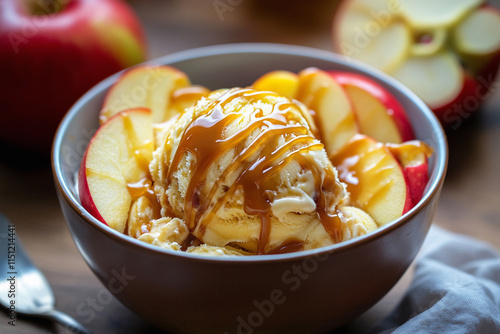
<point>243,169</point>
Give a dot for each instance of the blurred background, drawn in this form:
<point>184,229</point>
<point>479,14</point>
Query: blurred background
<point>469,204</point>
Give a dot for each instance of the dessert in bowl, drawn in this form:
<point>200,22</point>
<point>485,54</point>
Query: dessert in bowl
<point>300,289</point>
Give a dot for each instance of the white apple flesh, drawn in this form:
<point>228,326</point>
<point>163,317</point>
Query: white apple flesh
<point>430,14</point>
<point>327,101</point>
<point>118,156</point>
<point>331,109</point>
<point>378,113</point>
<point>435,79</point>
<point>380,42</point>
<point>149,87</point>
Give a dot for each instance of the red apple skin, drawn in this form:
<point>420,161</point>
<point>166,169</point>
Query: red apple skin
<point>417,177</point>
<point>452,114</point>
<point>84,191</point>
<point>409,202</point>
<point>381,94</point>
<point>48,61</point>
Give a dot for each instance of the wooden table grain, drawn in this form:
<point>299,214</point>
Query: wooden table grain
<point>469,204</point>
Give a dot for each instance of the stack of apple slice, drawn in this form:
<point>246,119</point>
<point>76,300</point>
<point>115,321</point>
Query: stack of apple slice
<point>164,90</point>
<point>115,168</point>
<point>367,135</point>
<point>447,52</point>
<point>343,104</point>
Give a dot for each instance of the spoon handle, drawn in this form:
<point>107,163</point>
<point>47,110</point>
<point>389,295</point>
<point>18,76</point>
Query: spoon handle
<point>71,324</point>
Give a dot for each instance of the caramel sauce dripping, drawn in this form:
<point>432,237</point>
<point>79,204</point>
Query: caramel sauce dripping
<point>206,140</point>
<point>144,186</point>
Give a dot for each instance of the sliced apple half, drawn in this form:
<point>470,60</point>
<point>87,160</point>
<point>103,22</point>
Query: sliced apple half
<point>117,156</point>
<point>374,179</point>
<point>330,106</point>
<point>447,44</point>
<point>413,157</point>
<point>476,38</point>
<point>360,32</point>
<point>427,14</point>
<point>149,87</point>
<point>284,83</point>
<point>378,113</point>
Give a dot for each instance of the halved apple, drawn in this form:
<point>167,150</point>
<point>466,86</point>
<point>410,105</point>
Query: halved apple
<point>374,179</point>
<point>331,109</point>
<point>429,14</point>
<point>413,156</point>
<point>117,156</point>
<point>149,87</point>
<point>449,58</point>
<point>378,112</point>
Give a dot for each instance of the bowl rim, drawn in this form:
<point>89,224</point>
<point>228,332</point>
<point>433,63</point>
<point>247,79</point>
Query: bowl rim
<point>261,48</point>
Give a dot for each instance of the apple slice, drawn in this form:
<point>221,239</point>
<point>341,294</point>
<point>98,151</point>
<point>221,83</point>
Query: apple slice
<point>472,40</point>
<point>428,14</point>
<point>284,83</point>
<point>145,87</point>
<point>436,79</point>
<point>413,156</point>
<point>117,156</point>
<point>378,112</point>
<point>374,179</point>
<point>330,107</point>
<point>361,34</point>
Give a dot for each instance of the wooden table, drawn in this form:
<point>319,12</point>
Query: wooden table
<point>470,200</point>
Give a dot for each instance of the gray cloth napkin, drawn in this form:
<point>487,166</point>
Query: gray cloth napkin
<point>455,289</point>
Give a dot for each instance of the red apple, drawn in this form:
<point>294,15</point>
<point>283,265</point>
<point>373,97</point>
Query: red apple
<point>379,114</point>
<point>116,160</point>
<point>374,179</point>
<point>447,52</point>
<point>51,52</point>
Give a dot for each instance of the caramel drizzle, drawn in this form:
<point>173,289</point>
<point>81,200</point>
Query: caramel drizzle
<point>204,138</point>
<point>144,187</point>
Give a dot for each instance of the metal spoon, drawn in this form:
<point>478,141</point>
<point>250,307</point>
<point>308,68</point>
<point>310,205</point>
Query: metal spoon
<point>23,288</point>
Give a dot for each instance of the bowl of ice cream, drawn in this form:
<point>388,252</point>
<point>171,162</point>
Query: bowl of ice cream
<point>293,270</point>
